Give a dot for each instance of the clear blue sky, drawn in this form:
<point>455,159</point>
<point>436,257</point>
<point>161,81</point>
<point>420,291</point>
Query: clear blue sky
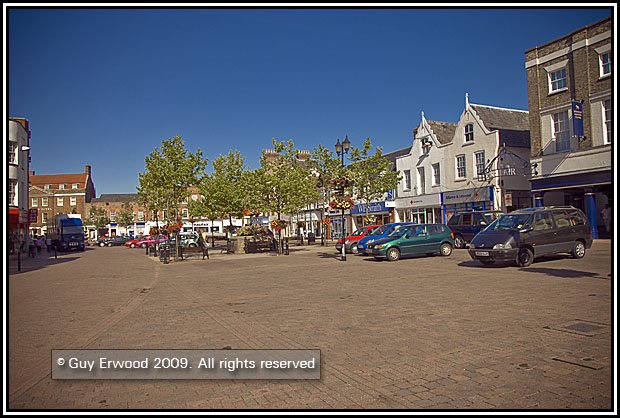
<point>105,87</point>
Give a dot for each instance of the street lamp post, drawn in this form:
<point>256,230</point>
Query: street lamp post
<point>342,149</point>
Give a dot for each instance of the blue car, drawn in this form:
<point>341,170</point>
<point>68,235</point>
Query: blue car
<point>381,232</point>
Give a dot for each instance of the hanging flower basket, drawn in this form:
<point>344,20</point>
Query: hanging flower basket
<point>326,221</point>
<point>173,228</point>
<point>278,224</point>
<point>342,203</point>
<point>370,219</point>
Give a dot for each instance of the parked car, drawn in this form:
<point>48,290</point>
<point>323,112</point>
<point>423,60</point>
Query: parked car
<point>525,234</point>
<point>350,242</point>
<point>134,243</point>
<point>378,233</point>
<point>112,241</point>
<point>466,225</point>
<point>187,239</point>
<point>145,241</point>
<point>411,240</point>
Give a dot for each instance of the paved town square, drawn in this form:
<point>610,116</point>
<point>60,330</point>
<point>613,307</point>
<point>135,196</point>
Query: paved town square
<point>422,333</point>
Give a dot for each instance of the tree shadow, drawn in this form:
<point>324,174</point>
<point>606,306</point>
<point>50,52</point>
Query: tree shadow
<point>333,256</point>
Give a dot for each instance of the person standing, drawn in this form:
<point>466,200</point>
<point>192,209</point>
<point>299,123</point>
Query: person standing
<point>606,214</point>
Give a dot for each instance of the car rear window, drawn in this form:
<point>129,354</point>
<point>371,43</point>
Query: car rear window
<point>562,220</point>
<point>454,220</point>
<point>466,219</point>
<point>576,218</point>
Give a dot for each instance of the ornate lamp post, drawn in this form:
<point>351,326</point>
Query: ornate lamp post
<point>342,149</point>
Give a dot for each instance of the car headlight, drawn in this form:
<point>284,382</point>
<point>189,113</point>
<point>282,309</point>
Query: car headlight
<point>502,246</point>
<point>471,245</point>
<point>380,246</point>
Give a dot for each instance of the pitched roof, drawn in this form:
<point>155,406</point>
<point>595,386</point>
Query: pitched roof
<point>444,131</point>
<point>58,178</point>
<point>512,138</point>
<point>501,118</point>
<point>392,156</point>
<point>126,197</point>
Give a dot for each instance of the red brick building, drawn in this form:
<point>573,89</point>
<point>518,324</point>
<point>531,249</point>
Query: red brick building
<point>52,194</point>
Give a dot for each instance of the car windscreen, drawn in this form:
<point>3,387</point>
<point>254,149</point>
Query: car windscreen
<point>398,231</point>
<point>509,222</point>
<point>73,229</point>
<point>357,232</point>
<point>491,216</point>
<point>379,231</point>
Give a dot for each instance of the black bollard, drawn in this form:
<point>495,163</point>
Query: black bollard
<point>19,261</point>
<point>55,252</point>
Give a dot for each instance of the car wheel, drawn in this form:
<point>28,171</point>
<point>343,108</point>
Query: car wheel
<point>109,244</point>
<point>579,250</point>
<point>525,257</point>
<point>393,254</point>
<point>192,245</point>
<point>486,262</point>
<point>354,249</point>
<point>445,249</point>
<point>102,244</point>
<point>459,242</point>
<point>143,245</point>
<point>132,245</point>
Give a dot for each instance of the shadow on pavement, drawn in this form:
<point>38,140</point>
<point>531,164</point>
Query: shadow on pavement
<point>32,264</point>
<point>477,264</point>
<point>564,273</point>
<point>333,255</point>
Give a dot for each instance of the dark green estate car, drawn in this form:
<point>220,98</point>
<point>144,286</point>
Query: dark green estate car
<point>413,240</point>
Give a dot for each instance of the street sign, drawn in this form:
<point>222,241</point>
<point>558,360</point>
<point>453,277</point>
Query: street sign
<point>578,118</point>
<point>508,199</point>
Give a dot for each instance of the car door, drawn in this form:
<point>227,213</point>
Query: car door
<point>566,232</point>
<point>542,236</point>
<point>466,226</point>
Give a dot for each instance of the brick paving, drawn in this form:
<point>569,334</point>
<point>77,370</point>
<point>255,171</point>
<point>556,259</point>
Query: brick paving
<point>423,333</point>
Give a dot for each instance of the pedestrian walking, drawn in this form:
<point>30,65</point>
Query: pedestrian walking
<point>39,244</point>
<point>606,214</point>
<point>48,244</point>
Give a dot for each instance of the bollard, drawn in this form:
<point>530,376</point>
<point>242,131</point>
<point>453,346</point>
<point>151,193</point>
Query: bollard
<point>19,261</point>
<point>55,252</point>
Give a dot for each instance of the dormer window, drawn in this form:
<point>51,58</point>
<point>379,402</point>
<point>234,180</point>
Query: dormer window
<point>61,186</point>
<point>469,132</point>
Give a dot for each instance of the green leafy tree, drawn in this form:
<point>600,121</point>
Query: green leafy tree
<point>169,171</point>
<point>327,168</point>
<point>206,205</point>
<point>125,216</point>
<point>286,184</point>
<point>227,185</point>
<point>99,218</point>
<point>370,175</point>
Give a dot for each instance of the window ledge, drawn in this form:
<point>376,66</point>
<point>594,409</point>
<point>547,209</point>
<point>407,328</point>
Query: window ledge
<point>461,179</point>
<point>468,143</point>
<point>551,93</point>
<point>604,76</point>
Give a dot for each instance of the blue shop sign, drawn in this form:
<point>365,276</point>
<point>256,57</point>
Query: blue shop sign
<point>373,207</point>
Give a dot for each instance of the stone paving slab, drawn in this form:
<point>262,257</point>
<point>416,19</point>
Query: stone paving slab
<point>422,333</point>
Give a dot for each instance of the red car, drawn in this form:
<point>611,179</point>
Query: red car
<point>145,241</point>
<point>350,242</point>
<point>133,243</point>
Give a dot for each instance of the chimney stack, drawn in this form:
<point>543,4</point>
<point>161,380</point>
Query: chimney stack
<point>87,169</point>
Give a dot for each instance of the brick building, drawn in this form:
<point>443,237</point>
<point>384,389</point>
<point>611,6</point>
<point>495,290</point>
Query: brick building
<point>570,103</point>
<point>18,145</point>
<point>52,194</point>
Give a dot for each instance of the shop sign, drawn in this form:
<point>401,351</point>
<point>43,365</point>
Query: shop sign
<point>373,207</point>
<point>33,214</point>
<point>468,195</point>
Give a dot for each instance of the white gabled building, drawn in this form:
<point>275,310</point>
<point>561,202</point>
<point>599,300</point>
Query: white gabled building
<point>422,172</point>
<point>479,163</point>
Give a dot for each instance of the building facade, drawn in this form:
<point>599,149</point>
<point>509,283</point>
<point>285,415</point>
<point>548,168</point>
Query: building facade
<point>479,163</point>
<point>571,107</point>
<point>18,172</point>
<point>53,194</point>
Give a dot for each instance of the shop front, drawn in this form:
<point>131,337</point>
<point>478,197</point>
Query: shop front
<point>480,198</point>
<point>378,213</point>
<point>419,209</point>
<point>589,192</point>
